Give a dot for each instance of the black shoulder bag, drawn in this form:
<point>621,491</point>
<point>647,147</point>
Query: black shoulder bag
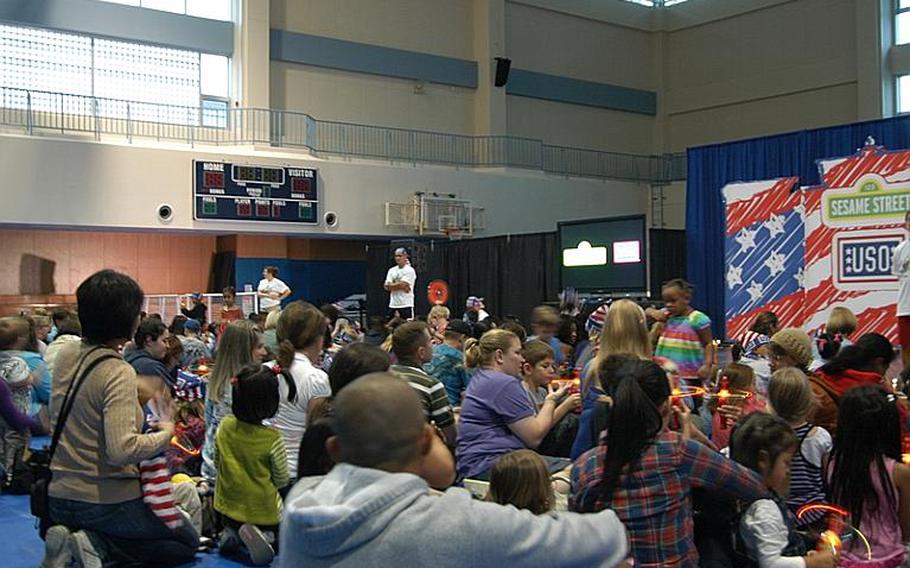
<point>41,468</point>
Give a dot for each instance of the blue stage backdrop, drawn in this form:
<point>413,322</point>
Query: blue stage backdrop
<point>792,154</point>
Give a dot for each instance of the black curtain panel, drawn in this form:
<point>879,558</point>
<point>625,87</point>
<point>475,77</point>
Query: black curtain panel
<point>513,273</point>
<point>667,250</point>
<point>222,275</point>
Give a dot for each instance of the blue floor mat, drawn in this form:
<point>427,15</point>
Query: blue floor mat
<point>20,546</point>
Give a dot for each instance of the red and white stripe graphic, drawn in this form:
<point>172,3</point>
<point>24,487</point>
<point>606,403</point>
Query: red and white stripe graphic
<point>158,491</point>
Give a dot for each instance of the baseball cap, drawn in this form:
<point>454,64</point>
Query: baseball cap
<point>192,325</point>
<point>473,301</point>
<point>458,326</point>
<point>196,295</point>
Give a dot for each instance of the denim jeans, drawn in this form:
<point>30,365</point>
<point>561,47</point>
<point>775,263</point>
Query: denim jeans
<point>128,533</point>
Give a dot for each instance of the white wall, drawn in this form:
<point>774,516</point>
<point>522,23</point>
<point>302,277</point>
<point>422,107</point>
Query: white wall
<point>782,66</point>
<point>439,27</point>
<point>85,184</point>
<point>330,94</point>
<point>567,45</point>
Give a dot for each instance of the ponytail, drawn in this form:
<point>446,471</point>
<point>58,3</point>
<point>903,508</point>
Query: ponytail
<point>285,359</point>
<point>635,420</point>
<point>861,355</point>
<point>479,352</point>
<point>828,344</point>
<point>472,356</point>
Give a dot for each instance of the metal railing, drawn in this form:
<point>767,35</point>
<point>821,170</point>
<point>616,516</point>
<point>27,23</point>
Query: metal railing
<point>169,305</point>
<point>75,114</point>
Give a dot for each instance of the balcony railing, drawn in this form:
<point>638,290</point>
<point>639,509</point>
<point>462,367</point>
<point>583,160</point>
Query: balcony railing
<point>73,114</point>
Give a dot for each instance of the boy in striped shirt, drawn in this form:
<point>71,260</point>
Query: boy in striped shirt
<point>413,349</point>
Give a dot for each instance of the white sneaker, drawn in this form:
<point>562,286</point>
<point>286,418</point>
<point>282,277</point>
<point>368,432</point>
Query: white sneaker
<point>56,552</point>
<point>261,552</point>
<point>83,550</point>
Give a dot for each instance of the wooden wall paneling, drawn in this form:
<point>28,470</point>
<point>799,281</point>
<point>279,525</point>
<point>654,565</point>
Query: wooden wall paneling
<point>14,244</point>
<point>54,245</point>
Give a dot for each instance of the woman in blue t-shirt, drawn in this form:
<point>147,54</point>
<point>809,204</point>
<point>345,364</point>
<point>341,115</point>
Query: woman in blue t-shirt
<point>497,416</point>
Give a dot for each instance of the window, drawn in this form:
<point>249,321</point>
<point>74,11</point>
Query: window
<point>210,9</point>
<point>902,23</point>
<point>215,75</point>
<point>161,84</point>
<point>903,93</point>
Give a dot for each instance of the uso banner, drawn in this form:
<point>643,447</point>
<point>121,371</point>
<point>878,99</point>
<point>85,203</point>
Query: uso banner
<point>800,251</point>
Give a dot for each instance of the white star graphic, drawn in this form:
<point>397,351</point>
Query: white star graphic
<point>755,290</point>
<point>800,278</point>
<point>801,211</point>
<point>775,263</point>
<point>775,224</point>
<point>734,276</point>
<point>746,239</point>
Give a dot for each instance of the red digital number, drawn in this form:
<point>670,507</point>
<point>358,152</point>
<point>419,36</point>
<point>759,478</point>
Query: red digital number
<point>213,179</point>
<point>300,185</point>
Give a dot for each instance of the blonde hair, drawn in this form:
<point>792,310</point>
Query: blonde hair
<point>841,321</point>
<point>790,395</point>
<point>480,352</point>
<point>624,332</point>
<point>299,326</point>
<point>271,320</point>
<point>521,478</point>
<point>437,312</point>
<point>235,351</point>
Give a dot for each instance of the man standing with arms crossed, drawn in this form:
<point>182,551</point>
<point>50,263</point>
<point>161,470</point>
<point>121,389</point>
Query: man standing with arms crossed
<point>399,281</point>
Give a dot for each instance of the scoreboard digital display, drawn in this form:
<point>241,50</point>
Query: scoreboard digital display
<point>239,192</point>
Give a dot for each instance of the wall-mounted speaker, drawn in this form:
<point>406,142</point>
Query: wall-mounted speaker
<point>503,65</point>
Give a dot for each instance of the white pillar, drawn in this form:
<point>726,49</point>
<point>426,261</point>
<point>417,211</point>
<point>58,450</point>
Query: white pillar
<point>490,118</point>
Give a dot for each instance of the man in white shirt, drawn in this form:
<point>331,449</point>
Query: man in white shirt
<point>271,290</point>
<point>399,281</point>
<point>900,267</point>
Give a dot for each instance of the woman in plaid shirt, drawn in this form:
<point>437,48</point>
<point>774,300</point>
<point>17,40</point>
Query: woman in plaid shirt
<point>645,472</point>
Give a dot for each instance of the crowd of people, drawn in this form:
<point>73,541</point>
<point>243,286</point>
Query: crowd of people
<point>608,436</point>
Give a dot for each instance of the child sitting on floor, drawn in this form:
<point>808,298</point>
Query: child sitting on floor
<point>252,467</point>
<point>866,477</point>
<point>767,529</point>
<point>521,478</point>
<point>791,398</point>
<point>743,400</point>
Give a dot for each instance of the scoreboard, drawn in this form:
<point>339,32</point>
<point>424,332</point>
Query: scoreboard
<point>240,192</point>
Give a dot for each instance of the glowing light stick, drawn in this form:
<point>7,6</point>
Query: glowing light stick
<point>191,451</point>
<point>831,537</point>
<point>686,391</point>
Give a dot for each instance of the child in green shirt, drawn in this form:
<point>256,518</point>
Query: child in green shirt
<point>252,466</point>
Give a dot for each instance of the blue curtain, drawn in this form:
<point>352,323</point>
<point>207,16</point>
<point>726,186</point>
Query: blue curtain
<point>795,153</point>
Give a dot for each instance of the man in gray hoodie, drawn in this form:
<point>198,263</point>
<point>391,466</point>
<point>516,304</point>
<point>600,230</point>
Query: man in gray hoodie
<point>375,507</point>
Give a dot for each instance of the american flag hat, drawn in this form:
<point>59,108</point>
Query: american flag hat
<point>595,321</point>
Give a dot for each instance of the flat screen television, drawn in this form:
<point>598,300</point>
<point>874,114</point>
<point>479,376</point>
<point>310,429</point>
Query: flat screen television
<point>604,256</point>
